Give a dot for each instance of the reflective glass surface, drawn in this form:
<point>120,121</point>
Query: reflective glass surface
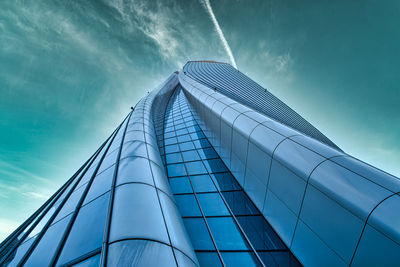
<point>224,225</point>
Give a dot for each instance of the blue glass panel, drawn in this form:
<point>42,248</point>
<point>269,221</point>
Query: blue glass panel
<point>169,134</point>
<point>208,259</point>
<point>207,153</point>
<point>45,249</point>
<point>93,261</point>
<point>187,205</point>
<point>17,255</point>
<point>278,258</point>
<point>180,185</point>
<point>178,120</point>
<point>198,234</point>
<point>173,158</point>
<point>225,181</point>
<point>169,129</point>
<point>195,167</point>
<point>202,183</point>
<point>184,138</point>
<point>259,233</point>
<point>240,259</point>
<point>186,146</point>
<point>191,123</point>
<point>215,165</point>
<point>201,143</point>
<point>87,232</point>
<point>171,141</point>
<point>71,203</point>
<point>176,170</point>
<point>190,155</point>
<point>226,234</point>
<point>197,135</point>
<point>140,253</point>
<point>191,129</point>
<point>171,148</point>
<point>212,204</point>
<point>181,132</point>
<point>179,127</point>
<point>100,185</point>
<point>239,203</point>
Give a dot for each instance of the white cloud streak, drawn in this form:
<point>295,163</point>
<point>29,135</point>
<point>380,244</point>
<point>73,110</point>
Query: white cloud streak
<point>219,32</point>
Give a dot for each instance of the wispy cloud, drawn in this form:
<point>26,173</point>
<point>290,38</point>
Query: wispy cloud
<point>9,169</point>
<point>219,31</point>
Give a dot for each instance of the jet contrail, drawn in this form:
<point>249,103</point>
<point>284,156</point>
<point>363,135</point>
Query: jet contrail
<point>220,33</point>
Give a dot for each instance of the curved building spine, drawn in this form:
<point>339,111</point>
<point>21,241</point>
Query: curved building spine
<point>210,169</point>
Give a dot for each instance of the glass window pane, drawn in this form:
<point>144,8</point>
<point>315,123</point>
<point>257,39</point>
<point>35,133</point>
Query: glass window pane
<point>17,255</point>
<point>212,204</point>
<point>181,132</point>
<point>187,205</point>
<point>260,234</point>
<point>46,247</point>
<point>176,170</point>
<point>215,165</point>
<point>180,185</point>
<point>201,143</point>
<point>169,129</point>
<point>140,253</point>
<point>240,259</point>
<point>191,129</point>
<point>100,185</point>
<point>170,141</point>
<point>208,153</point>
<point>184,138</point>
<point>208,259</point>
<point>186,146</point>
<point>202,183</point>
<point>226,234</point>
<point>199,234</point>
<point>195,167</point>
<point>71,203</point>
<point>197,135</point>
<point>225,181</point>
<point>169,134</point>
<point>134,169</point>
<point>87,232</point>
<point>93,261</point>
<point>179,127</point>
<point>173,158</point>
<point>138,214</point>
<point>239,203</point>
<point>171,148</point>
<point>190,155</point>
<point>278,258</point>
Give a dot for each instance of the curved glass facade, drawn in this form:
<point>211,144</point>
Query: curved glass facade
<point>206,170</point>
<point>224,225</point>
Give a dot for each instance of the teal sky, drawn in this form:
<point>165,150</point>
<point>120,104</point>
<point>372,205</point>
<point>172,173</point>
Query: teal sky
<point>70,70</point>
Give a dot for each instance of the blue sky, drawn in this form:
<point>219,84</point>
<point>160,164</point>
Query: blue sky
<point>70,70</point>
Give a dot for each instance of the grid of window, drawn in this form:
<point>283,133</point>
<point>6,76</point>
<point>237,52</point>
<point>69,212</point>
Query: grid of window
<point>224,225</point>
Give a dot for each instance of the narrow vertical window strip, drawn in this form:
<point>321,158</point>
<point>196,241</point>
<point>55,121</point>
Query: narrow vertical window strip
<point>104,250</point>
<point>173,100</point>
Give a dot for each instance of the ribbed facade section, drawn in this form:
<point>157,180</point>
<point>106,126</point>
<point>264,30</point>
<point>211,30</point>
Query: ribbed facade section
<point>231,82</point>
<point>209,169</point>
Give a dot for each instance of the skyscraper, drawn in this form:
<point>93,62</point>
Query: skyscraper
<point>211,169</point>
